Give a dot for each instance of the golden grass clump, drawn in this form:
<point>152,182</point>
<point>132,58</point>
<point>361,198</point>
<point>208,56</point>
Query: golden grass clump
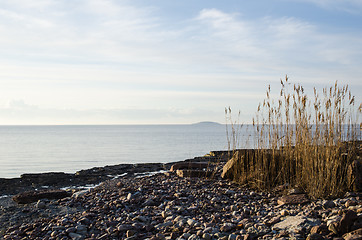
<point>301,141</point>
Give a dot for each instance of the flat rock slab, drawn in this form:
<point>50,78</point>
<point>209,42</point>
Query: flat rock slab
<point>189,165</point>
<point>293,199</point>
<point>193,173</point>
<point>292,223</point>
<point>34,196</point>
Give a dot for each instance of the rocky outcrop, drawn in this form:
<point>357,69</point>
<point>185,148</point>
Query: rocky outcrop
<point>190,165</point>
<point>205,166</point>
<point>56,180</point>
<point>34,196</point>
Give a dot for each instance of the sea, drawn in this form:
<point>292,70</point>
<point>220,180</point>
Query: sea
<point>70,148</point>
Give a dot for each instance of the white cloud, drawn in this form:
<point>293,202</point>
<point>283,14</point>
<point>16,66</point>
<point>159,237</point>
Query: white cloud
<point>350,6</point>
<point>18,105</point>
<point>277,44</point>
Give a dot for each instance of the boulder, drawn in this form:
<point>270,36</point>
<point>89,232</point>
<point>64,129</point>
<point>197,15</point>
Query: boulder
<point>230,167</point>
<point>34,196</point>
<point>320,229</point>
<point>293,199</point>
<point>346,222</point>
<point>292,223</point>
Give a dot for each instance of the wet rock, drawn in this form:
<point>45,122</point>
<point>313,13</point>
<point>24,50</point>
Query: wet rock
<point>34,196</point>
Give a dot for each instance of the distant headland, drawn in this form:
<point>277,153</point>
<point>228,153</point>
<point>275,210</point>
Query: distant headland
<point>207,123</point>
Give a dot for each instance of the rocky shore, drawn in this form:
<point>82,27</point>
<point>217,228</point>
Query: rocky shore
<point>93,176</point>
<point>176,205</point>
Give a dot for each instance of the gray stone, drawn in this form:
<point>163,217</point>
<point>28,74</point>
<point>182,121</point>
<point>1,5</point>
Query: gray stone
<point>206,236</point>
<point>75,236</point>
<point>292,223</point>
<point>191,222</point>
<point>328,204</point>
<point>284,212</point>
<point>40,204</point>
<point>185,235</point>
<point>193,237</point>
<point>226,227</point>
<point>293,199</point>
<point>232,237</point>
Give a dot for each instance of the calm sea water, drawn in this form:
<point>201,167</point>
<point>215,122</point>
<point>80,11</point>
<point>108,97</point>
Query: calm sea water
<point>36,149</point>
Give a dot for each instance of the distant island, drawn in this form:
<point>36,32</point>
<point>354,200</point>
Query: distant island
<point>207,123</point>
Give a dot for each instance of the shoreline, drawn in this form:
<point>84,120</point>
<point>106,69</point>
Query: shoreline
<point>92,176</point>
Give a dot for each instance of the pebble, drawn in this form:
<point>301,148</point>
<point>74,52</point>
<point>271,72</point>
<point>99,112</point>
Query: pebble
<point>206,236</point>
<point>40,204</point>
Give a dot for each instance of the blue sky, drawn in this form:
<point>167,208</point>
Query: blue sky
<point>148,62</point>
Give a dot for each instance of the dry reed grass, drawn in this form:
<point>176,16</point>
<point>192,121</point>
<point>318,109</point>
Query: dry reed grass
<point>301,141</point>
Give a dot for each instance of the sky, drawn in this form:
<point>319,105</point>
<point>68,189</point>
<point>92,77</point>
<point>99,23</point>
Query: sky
<point>168,62</point>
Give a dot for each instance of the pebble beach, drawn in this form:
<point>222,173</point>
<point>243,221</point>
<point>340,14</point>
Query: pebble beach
<point>167,206</point>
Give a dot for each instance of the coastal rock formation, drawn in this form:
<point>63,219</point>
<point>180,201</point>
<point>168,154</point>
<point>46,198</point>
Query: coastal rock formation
<point>96,175</point>
<point>56,180</point>
<point>34,196</point>
<point>190,165</point>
